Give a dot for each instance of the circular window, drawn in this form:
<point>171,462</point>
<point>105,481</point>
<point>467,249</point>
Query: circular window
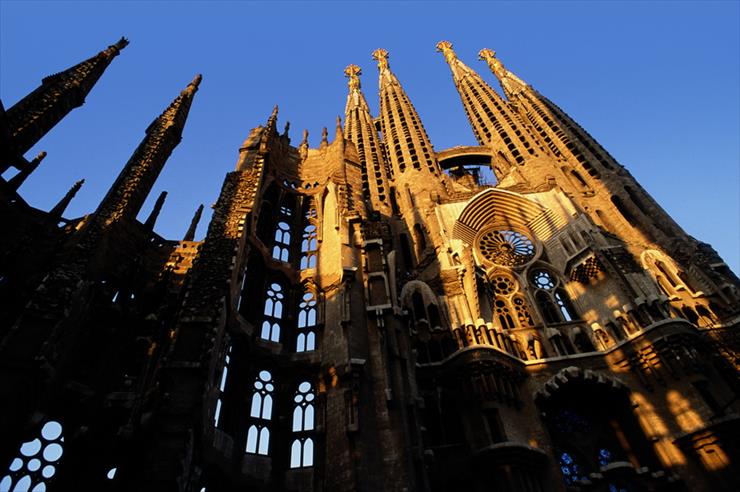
<point>506,248</point>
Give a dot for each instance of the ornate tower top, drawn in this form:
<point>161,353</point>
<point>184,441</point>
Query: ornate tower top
<point>381,55</point>
<point>489,56</point>
<point>446,48</point>
<point>352,72</point>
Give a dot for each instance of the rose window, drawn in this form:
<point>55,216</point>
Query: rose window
<point>506,248</point>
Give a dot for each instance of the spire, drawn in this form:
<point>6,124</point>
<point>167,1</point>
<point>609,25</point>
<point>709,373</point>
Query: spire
<point>360,129</point>
<point>16,181</point>
<point>59,208</point>
<point>408,144</point>
<point>303,147</point>
<point>152,219</point>
<point>493,121</point>
<point>338,133</point>
<point>324,138</point>
<point>272,121</point>
<point>127,195</point>
<point>37,113</point>
<point>190,234</point>
<point>509,82</point>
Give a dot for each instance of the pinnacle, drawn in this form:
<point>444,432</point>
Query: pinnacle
<point>122,43</point>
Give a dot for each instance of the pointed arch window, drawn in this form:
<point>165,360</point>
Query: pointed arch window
<point>306,338</point>
<point>509,307</point>
<point>309,243</point>
<point>36,461</point>
<point>282,242</point>
<point>301,450</point>
<point>260,414</point>
<point>553,302</point>
<point>273,313</point>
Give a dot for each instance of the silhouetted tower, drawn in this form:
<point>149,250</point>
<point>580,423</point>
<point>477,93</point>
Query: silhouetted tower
<point>37,113</point>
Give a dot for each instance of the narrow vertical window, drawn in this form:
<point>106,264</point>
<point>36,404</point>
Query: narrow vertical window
<point>273,313</point>
<point>221,388</point>
<point>306,339</point>
<point>258,435</point>
<point>301,451</point>
<point>552,300</point>
<point>309,243</point>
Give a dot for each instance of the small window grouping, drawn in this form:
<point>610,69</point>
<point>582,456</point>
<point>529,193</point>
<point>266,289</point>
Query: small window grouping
<point>258,435</point>
<point>273,312</point>
<point>509,307</point>
<point>553,302</point>
<point>37,460</point>
<point>303,421</point>
<point>306,333</point>
<point>309,243</point>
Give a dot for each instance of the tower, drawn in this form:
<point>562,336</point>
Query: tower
<point>370,314</point>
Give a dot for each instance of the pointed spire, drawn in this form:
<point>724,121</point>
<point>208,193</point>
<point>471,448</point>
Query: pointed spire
<point>360,129</point>
<point>152,219</point>
<point>16,181</point>
<point>287,129</point>
<point>491,117</point>
<point>190,234</point>
<point>509,82</point>
<point>338,134</point>
<point>303,147</point>
<point>324,138</point>
<point>127,195</point>
<point>37,113</point>
<point>271,125</point>
<point>59,208</point>
<point>408,144</point>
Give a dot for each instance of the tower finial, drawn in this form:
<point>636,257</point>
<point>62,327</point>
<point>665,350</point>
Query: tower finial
<point>381,56</point>
<point>353,72</point>
<point>339,133</point>
<point>152,219</point>
<point>190,234</point>
<point>324,137</point>
<point>16,181</point>
<point>120,44</point>
<point>445,47</point>
<point>305,137</point>
<point>56,212</point>
<point>287,128</point>
<point>489,56</point>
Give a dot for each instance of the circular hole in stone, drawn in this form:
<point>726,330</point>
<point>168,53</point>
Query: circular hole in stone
<point>304,387</point>
<point>16,465</point>
<point>48,471</point>
<point>34,465</point>
<point>53,452</point>
<point>51,430</point>
<point>31,448</point>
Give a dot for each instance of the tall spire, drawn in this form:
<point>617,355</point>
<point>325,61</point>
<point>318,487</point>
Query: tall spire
<point>59,208</point>
<point>190,234</point>
<point>37,113</point>
<point>493,121</point>
<point>510,82</point>
<point>360,129</point>
<point>408,144</point>
<point>16,181</point>
<point>127,195</point>
<point>152,219</point>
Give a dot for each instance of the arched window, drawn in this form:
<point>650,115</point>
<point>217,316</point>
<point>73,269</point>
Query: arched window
<point>306,339</point>
<point>258,435</point>
<point>36,461</point>
<point>309,242</point>
<point>509,307</point>
<point>301,451</point>
<point>273,313</point>
<point>282,242</point>
<point>552,300</point>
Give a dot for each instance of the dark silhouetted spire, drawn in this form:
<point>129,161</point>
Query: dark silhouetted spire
<point>37,113</point>
<point>152,219</point>
<point>127,195</point>
<point>190,234</point>
<point>16,181</point>
<point>60,207</point>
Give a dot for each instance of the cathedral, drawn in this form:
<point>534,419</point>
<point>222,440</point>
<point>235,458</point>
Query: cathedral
<point>368,314</point>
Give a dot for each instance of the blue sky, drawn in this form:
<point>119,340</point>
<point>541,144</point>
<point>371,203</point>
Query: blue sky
<point>657,83</point>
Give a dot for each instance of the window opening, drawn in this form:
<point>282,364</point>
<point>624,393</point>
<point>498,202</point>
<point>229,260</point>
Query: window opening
<point>258,435</point>
<point>273,313</point>
<point>221,388</point>
<point>306,339</point>
<point>552,300</point>
<point>301,451</point>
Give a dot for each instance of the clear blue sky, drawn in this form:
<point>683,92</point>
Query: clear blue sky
<point>657,83</point>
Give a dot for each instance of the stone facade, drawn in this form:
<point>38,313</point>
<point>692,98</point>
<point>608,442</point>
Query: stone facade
<point>366,315</point>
